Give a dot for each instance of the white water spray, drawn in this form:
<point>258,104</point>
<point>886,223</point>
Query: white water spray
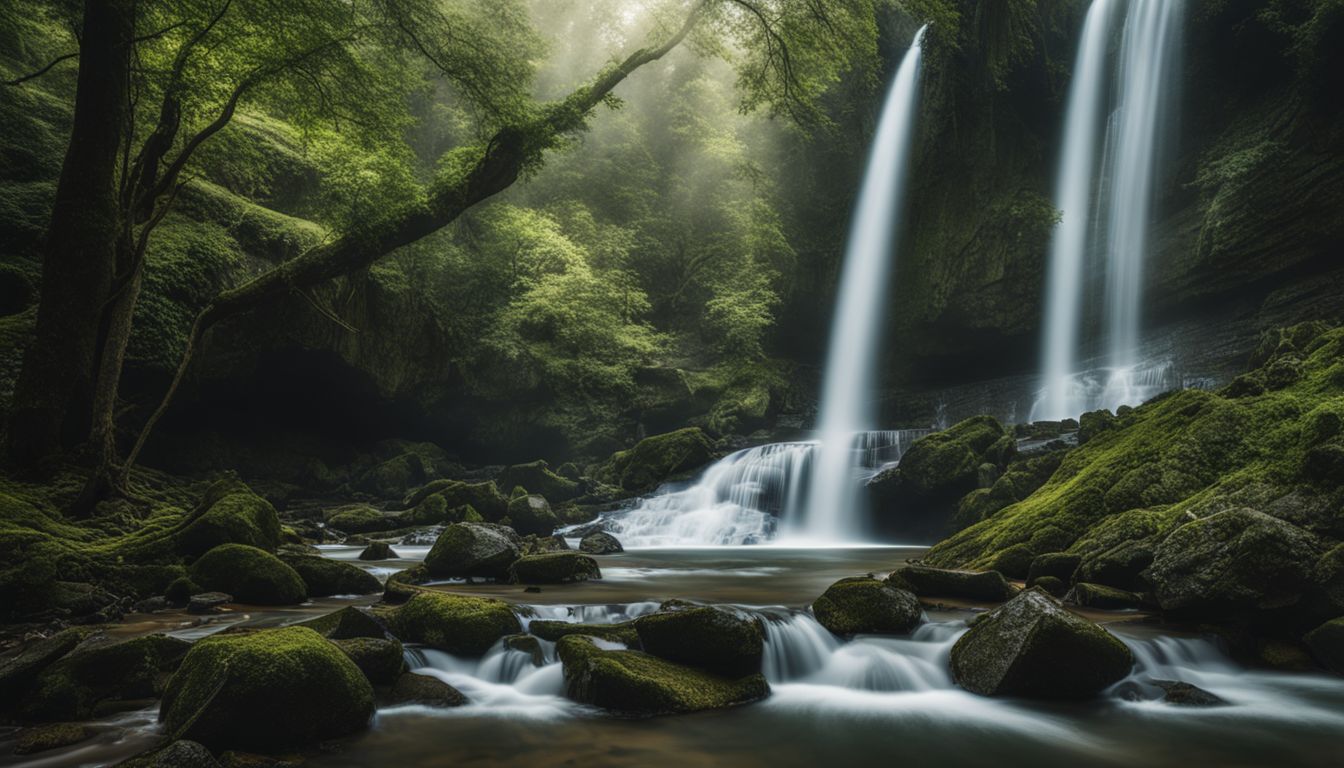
<point>832,512</point>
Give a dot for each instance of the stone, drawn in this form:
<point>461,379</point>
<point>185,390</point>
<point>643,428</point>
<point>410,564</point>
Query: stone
<point>654,459</point>
<point>864,605</point>
<point>101,670</point>
<point>208,602</point>
<point>1033,648</point>
<point>537,477</point>
<point>473,549</point>
<point>1326,644</point>
<point>178,754</point>
<point>458,624</point>
<point>380,659</point>
<point>528,644</point>
<point>708,638</point>
<point>18,671</point>
<point>348,622</point>
<point>55,736</point>
<point>426,690</point>
<point>1098,596</point>
<point>229,513</point>
<point>378,550</point>
<point>600,543</point>
<point>623,633</point>
<point>1061,565</point>
<point>532,514</point>
<point>325,577</point>
<point>1187,695</point>
<point>940,582</point>
<point>250,575</point>
<point>555,568</point>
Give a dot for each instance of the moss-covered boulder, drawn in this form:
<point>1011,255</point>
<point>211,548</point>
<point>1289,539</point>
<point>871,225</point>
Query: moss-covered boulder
<point>100,670</point>
<point>473,549</point>
<point>266,690</point>
<point>654,459</point>
<point>1233,562</point>
<point>600,543</point>
<point>360,518</point>
<point>1088,595</point>
<point>1053,585</point>
<point>18,670</point>
<point>554,568</point>
<point>537,477</point>
<point>710,638</point>
<point>378,550</point>
<point>249,575</point>
<point>1060,565</point>
<point>862,605</point>
<point>229,513</point>
<point>1032,647</point>
<point>425,690</point>
<point>392,478</point>
<point>46,737</point>
<point>484,498</point>
<point>349,622</point>
<point>466,626</point>
<point>380,659</point>
<point>989,586</point>
<point>637,683</point>
<point>1326,644</point>
<point>530,514</point>
<point>548,629</point>
<point>528,644</point>
<point>325,577</point>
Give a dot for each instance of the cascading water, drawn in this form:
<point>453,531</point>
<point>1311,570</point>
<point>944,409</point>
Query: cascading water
<point>1107,202</point>
<point>832,511</point>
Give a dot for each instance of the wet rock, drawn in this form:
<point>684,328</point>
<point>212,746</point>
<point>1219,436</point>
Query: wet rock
<point>250,575</point>
<point>1098,596</point>
<point>600,543</point>
<point>473,549</point>
<point>208,602</point>
<point>426,690</point>
<point>555,568</point>
<point>537,477</point>
<point>1326,644</point>
<point>867,605</point>
<point>359,518</point>
<point>266,690</point>
<point>1052,584</point>
<point>422,538</point>
<point>1187,695</point>
<point>179,754</point>
<point>540,545</point>
<point>325,577</point>
<point>654,459</point>
<point>1061,565</point>
<point>1232,562</point>
<point>532,514</point>
<point>939,582</point>
<point>378,550</point>
<point>483,498</point>
<point>526,644</point>
<point>458,624</point>
<point>623,633</point>
<point>637,683</point>
<point>18,671</point>
<point>55,736</point>
<point>349,622</point>
<point>1122,566</point>
<point>1014,562</point>
<point>709,638</point>
<point>1032,647</point>
<point>101,670</point>
<point>380,659</point>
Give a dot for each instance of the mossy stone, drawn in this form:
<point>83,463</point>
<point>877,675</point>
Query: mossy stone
<point>54,736</point>
<point>1099,596</point>
<point>1060,565</point>
<point>600,543</point>
<point>101,670</point>
<point>1326,643</point>
<point>531,514</point>
<point>862,605</point>
<point>547,629</point>
<point>425,690</point>
<point>349,622</point>
<point>380,659</point>
<point>266,690</point>
<point>360,518</point>
<point>484,497</point>
<point>461,625</point>
<point>940,582</point>
<point>473,549</point>
<point>325,577</point>
<point>178,754</point>
<point>234,515</point>
<point>706,637</point>
<point>537,477</point>
<point>250,575</point>
<point>181,590</point>
<point>654,459</point>
<point>1054,585</point>
<point>554,568</point>
<point>19,670</point>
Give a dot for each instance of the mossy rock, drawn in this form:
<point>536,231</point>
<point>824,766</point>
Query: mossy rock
<point>460,625</point>
<point>1326,643</point>
<point>1053,585</point>
<point>637,683</point>
<point>266,690</point>
<point>940,582</point>
<point>537,477</point>
<point>600,543</point>
<point>380,659</point>
<point>1088,595</point>
<point>250,575</point>
<point>655,459</point>
<point>1122,566</point>
<point>1032,647</point>
<point>229,514</point>
<point>101,670</point>
<point>425,690</point>
<point>360,518</point>
<point>528,644</point>
<point>178,754</point>
<point>378,550</point>
<point>392,478</point>
<point>1014,562</point>
<point>325,577</point>
<point>554,568</point>
<point>484,498</point>
<point>181,590</point>
<point>1093,423</point>
<point>531,514</point>
<point>473,549</point>
<point>863,605</point>
<point>949,460</point>
<point>347,623</point>
<point>46,737</point>
<point>709,638</point>
<point>1233,562</point>
<point>1060,565</point>
<point>19,670</point>
<point>551,630</point>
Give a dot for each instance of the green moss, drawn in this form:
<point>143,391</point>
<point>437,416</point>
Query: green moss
<point>483,498</point>
<point>461,625</point>
<point>473,550</point>
<point>359,518</point>
<point>538,478</point>
<point>229,514</point>
<point>866,605</point>
<point>554,568</point>
<point>705,637</point>
<point>250,575</point>
<point>97,671</point>
<point>655,459</point>
<point>347,623</point>
<point>380,659</point>
<point>554,630</point>
<point>266,690</point>
<point>325,577</point>
<point>532,514</point>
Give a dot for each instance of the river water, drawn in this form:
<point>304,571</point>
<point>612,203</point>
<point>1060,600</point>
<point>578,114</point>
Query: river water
<point>866,701</point>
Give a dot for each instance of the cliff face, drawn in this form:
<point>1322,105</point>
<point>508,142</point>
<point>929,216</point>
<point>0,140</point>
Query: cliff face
<point>1249,216</point>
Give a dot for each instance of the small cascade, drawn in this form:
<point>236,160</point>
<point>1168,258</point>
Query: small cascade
<point>799,650</point>
<point>742,498</point>
<point>1108,388</point>
<point>832,512</point>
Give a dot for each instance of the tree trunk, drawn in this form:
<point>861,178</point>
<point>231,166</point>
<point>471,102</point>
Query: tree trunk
<point>53,394</point>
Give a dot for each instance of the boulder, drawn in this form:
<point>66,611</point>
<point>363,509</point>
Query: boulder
<point>600,543</point>
<point>394,477</point>
<point>1326,644</point>
<point>537,477</point>
<point>180,591</point>
<point>623,633</point>
<point>18,671</point>
<point>1032,647</point>
<point>540,545</point>
<point>1235,561</point>
<point>178,754</point>
<point>1060,565</point>
<point>1098,596</point>
<point>208,602</point>
<point>45,737</point>
<point>637,683</point>
<point>709,638</point>
<point>1052,584</point>
<point>250,575</point>
<point>473,549</point>
<point>325,577</point>
<point>359,518</point>
<point>100,670</point>
<point>460,625</point>
<point>654,459</point>
<point>484,498</point>
<point>349,622</point>
<point>1122,566</point>
<point>555,568</point>
<point>378,550</point>
<point>940,582</point>
<point>1186,695</point>
<point>229,513</point>
<point>380,659</point>
<point>532,514</point>
<point>266,690</point>
<point>864,604</point>
<point>529,645</point>
<point>425,690</point>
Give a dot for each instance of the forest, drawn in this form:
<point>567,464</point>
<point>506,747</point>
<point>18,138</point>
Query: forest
<point>636,382</point>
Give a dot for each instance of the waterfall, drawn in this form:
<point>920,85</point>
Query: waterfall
<point>1106,203</point>
<point>832,512</point>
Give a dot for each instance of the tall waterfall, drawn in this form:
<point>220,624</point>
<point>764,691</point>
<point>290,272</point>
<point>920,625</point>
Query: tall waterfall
<point>1107,201</point>
<point>832,512</point>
